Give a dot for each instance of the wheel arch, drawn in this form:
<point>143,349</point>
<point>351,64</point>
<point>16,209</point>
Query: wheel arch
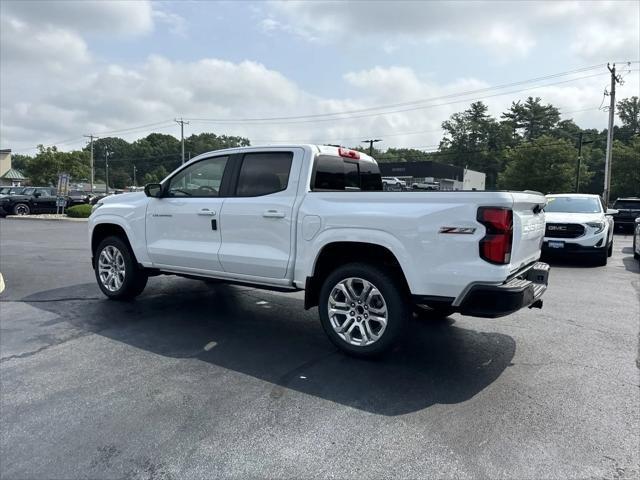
<point>107,229</point>
<point>337,253</point>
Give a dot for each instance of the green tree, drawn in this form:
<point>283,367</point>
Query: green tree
<point>531,119</point>
<point>474,140</point>
<point>206,142</point>
<point>48,163</point>
<point>625,169</point>
<point>629,113</point>
<point>156,175</point>
<point>546,164</point>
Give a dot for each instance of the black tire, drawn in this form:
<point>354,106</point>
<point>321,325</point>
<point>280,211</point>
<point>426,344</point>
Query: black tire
<point>135,278</point>
<point>600,258</point>
<point>394,297</point>
<point>432,313</point>
<point>21,209</point>
<point>610,249</point>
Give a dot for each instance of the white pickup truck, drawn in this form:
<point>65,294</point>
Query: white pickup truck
<point>315,218</point>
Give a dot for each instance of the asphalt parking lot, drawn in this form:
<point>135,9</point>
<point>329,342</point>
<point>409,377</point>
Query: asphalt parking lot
<point>198,381</point>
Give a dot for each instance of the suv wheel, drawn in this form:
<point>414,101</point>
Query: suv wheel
<point>362,309</point>
<point>610,249</point>
<point>601,257</point>
<point>117,271</point>
<point>21,209</point>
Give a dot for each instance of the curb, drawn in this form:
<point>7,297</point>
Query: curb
<point>36,217</point>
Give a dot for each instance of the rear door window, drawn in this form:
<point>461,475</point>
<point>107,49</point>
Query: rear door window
<point>264,173</point>
<point>335,173</point>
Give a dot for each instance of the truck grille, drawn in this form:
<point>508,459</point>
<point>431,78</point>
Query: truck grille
<point>564,230</point>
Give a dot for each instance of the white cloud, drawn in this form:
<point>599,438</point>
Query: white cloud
<point>117,97</point>
<point>53,89</point>
<point>51,46</point>
<point>597,29</point>
<point>128,17</point>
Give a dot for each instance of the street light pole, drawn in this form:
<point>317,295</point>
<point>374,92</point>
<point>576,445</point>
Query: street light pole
<point>371,142</point>
<point>580,143</point>
<point>106,170</point>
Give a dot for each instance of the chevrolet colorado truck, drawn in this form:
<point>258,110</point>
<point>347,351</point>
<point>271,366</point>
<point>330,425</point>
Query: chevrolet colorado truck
<point>315,218</point>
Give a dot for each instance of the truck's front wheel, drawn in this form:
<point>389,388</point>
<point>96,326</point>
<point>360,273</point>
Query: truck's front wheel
<point>363,309</point>
<point>117,271</point>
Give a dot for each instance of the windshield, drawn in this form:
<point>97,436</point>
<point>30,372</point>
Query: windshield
<point>627,204</point>
<point>573,205</point>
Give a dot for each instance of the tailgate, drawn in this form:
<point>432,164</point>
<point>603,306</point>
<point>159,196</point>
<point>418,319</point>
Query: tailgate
<point>528,228</point>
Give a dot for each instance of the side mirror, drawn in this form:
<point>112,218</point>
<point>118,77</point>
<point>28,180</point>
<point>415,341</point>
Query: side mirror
<point>153,190</point>
<point>37,194</point>
<point>611,211</point>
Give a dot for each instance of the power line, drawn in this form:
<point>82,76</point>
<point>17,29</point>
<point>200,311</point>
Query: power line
<point>274,120</point>
<point>414,102</point>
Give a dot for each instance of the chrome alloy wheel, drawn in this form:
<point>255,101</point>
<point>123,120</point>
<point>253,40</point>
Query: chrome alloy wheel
<point>111,268</point>
<point>357,311</point>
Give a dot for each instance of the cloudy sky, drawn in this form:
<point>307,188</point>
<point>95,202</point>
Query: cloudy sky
<point>397,69</point>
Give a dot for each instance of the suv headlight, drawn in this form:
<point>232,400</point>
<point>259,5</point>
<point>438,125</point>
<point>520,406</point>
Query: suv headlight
<point>599,226</point>
<point>96,206</point>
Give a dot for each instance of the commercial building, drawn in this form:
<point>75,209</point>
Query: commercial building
<point>449,177</point>
<point>9,176</point>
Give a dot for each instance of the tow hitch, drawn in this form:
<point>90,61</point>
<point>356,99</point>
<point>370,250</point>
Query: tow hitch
<point>536,304</point>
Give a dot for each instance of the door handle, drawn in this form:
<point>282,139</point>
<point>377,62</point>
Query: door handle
<point>207,212</point>
<point>273,214</point>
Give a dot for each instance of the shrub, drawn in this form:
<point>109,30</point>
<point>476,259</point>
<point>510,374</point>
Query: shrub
<point>79,211</point>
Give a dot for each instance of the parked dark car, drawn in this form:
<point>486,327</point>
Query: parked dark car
<point>11,190</point>
<point>30,200</point>
<point>77,197</point>
<point>636,239</point>
<point>628,211</point>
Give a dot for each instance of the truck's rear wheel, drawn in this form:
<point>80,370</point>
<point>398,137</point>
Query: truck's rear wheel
<point>362,309</point>
<point>117,271</point>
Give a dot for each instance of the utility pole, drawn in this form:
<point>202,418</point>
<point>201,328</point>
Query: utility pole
<point>135,184</point>
<point>182,123</point>
<point>371,142</point>
<point>612,111</point>
<point>580,143</point>
<point>106,171</point>
<point>91,137</point>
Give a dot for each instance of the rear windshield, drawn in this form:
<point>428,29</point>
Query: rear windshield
<point>627,204</point>
<point>573,205</point>
<point>339,174</point>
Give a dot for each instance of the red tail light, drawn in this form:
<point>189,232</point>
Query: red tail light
<point>345,152</point>
<point>495,247</point>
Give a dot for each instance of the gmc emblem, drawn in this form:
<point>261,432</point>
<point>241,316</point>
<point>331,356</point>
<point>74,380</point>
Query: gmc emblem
<point>557,227</point>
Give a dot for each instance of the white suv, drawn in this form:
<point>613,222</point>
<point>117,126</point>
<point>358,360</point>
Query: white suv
<point>578,223</point>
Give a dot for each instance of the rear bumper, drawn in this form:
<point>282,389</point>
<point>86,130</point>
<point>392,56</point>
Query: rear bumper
<point>491,301</point>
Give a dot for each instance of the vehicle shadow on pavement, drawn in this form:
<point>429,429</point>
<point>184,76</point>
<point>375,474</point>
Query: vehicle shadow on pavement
<point>631,264</point>
<point>270,337</point>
